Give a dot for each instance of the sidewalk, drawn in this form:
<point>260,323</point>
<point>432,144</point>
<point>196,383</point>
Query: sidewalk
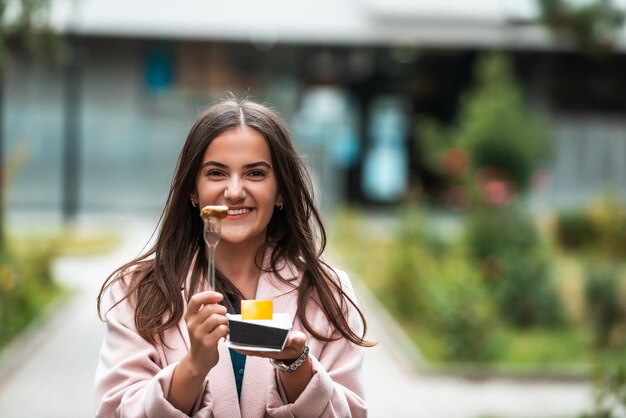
<point>49,372</point>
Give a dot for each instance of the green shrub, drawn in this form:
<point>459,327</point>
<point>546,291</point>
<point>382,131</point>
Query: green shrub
<point>505,242</point>
<point>26,288</point>
<point>575,231</point>
<point>495,128</point>
<point>608,215</point>
<point>410,266</point>
<point>460,309</point>
<point>609,383</point>
<point>525,292</point>
<point>494,230</point>
<point>602,292</point>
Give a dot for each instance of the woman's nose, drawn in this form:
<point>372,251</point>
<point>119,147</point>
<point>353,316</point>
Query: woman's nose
<point>234,190</point>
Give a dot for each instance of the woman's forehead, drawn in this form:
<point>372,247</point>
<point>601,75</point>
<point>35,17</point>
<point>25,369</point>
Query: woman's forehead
<point>239,145</point>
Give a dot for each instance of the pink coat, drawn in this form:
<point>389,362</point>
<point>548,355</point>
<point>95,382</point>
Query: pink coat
<point>133,376</point>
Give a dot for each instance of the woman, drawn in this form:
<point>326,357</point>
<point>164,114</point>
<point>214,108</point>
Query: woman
<point>163,354</point>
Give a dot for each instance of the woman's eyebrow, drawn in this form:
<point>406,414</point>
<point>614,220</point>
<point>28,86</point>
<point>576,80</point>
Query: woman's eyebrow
<point>246,166</point>
<point>213,163</point>
<point>257,164</point>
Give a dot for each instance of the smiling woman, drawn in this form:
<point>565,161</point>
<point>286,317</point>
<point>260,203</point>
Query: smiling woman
<point>237,172</point>
<point>164,353</point>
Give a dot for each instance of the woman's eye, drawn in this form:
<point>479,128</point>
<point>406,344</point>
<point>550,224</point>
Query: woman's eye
<point>256,174</point>
<point>214,173</point>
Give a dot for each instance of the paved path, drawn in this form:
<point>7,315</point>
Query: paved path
<point>49,372</point>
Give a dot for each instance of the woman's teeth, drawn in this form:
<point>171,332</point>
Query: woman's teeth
<point>234,212</point>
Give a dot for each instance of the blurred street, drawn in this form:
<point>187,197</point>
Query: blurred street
<point>48,373</point>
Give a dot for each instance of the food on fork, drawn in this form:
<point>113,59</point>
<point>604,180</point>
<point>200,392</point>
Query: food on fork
<point>215,211</point>
<point>256,309</point>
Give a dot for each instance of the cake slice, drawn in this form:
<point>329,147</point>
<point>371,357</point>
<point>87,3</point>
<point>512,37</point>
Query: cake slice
<point>256,309</point>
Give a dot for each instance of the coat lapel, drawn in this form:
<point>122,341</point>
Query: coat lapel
<point>223,386</point>
<point>259,373</point>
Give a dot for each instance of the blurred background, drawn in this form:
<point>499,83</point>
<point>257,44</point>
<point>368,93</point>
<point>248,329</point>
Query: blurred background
<point>469,157</point>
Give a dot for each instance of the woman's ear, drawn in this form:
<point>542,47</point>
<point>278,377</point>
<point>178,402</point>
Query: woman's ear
<point>194,198</point>
<point>279,202</point>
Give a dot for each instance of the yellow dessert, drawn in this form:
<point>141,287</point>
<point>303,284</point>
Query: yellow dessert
<point>216,211</point>
<point>256,309</point>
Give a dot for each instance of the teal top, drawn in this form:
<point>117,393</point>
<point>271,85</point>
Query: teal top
<point>238,360</point>
<point>239,365</point>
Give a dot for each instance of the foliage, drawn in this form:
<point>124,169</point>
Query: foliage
<point>505,242</point>
<point>458,310</point>
<point>408,270</point>
<point>24,26</point>
<point>600,228</point>
<point>593,26</point>
<point>609,218</point>
<point>575,230</point>
<point>495,129</point>
<point>525,291</point>
<point>411,265</point>
<point>429,291</point>
<point>493,230</point>
<point>26,288</point>
<point>604,299</point>
<point>461,310</point>
<point>609,392</point>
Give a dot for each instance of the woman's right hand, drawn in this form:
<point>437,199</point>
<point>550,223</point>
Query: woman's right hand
<point>206,324</point>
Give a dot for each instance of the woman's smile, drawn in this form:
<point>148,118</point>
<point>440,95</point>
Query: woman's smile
<point>238,213</point>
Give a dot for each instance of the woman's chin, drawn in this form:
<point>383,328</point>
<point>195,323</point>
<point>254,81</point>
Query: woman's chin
<point>240,239</point>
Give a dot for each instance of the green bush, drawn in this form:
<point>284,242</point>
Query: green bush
<point>430,287</point>
<point>525,292</point>
<point>494,230</point>
<point>460,309</point>
<point>575,231</point>
<point>602,292</point>
<point>410,266</point>
<point>26,288</point>
<point>609,383</point>
<point>496,128</point>
<point>505,242</point>
<point>609,217</point>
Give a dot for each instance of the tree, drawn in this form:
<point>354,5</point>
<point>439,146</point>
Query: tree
<point>498,139</point>
<point>24,29</point>
<point>593,26</point>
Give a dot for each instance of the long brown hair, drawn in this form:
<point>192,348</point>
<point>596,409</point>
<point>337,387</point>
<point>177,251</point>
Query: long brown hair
<point>296,234</point>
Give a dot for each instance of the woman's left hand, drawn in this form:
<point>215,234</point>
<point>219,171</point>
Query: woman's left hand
<point>294,383</point>
<point>294,346</point>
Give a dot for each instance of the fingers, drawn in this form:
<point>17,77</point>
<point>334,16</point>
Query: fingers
<point>294,346</point>
<point>214,323</point>
<point>206,320</point>
<point>295,341</point>
<point>204,298</point>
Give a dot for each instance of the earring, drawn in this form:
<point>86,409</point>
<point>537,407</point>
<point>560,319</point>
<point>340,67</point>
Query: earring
<point>194,203</point>
<point>279,206</point>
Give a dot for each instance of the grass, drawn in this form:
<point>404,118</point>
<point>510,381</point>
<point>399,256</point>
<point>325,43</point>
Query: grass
<point>562,349</point>
<point>69,243</point>
<point>27,287</point>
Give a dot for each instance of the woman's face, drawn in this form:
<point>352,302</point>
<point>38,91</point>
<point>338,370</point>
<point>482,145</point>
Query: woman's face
<point>237,171</point>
